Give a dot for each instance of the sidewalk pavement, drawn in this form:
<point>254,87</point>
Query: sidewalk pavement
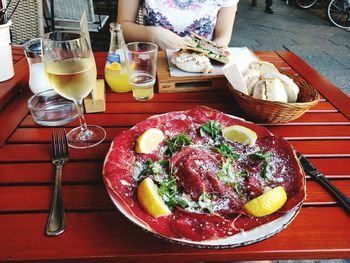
<point>305,32</point>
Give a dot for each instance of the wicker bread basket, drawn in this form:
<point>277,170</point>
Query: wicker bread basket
<point>265,111</point>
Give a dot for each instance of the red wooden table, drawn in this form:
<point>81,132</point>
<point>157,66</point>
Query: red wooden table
<point>97,232</point>
<point>8,89</point>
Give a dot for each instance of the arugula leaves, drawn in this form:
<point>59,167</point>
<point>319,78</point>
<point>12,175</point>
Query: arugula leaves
<point>168,190</point>
<point>176,143</point>
<point>153,168</point>
<point>265,156</point>
<point>212,128</point>
<point>167,187</point>
<point>227,150</point>
<point>226,173</point>
<point>205,202</point>
<point>261,155</point>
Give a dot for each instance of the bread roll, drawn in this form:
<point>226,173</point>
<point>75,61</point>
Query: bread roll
<point>270,89</point>
<point>290,87</point>
<point>251,77</point>
<point>259,91</point>
<point>263,67</point>
<point>275,90</point>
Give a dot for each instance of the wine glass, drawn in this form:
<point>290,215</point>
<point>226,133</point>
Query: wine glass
<point>71,70</point>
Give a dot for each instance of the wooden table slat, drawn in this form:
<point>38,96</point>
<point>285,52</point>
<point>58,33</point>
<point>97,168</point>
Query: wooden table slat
<point>17,110</point>
<point>314,132</point>
<point>42,152</point>
<point>117,240</point>
<point>130,119</point>
<point>158,108</point>
<point>43,135</point>
<point>155,107</point>
<point>220,95</point>
<point>43,173</point>
<point>10,88</point>
<point>323,148</point>
<point>34,198</point>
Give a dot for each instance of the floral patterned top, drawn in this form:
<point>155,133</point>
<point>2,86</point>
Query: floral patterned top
<point>184,16</point>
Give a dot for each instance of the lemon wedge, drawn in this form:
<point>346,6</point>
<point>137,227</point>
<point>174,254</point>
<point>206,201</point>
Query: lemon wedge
<point>149,140</point>
<point>267,203</point>
<point>150,200</point>
<point>239,134</point>
<point>114,66</point>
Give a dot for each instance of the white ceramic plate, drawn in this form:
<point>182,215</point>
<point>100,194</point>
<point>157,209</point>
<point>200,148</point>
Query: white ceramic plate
<point>254,235</point>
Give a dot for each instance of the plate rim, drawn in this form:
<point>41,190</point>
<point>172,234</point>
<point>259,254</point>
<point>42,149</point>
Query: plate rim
<point>289,217</point>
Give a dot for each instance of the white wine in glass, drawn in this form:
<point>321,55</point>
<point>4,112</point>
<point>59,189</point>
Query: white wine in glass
<point>71,70</point>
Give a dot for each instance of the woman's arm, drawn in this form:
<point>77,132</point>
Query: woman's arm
<point>224,25</point>
<point>127,13</point>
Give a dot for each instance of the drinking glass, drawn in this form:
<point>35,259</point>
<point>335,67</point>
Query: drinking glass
<point>142,66</point>
<point>70,68</point>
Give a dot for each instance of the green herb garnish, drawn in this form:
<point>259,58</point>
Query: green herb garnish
<point>228,176</point>
<point>238,187</point>
<point>205,202</point>
<point>153,168</point>
<point>265,156</point>
<point>176,143</point>
<point>168,190</point>
<point>212,128</point>
<point>226,173</point>
<point>227,150</point>
<point>244,173</point>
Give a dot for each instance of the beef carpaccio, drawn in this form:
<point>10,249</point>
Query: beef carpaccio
<point>207,190</point>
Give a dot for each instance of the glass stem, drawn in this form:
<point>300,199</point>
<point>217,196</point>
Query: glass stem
<point>85,134</point>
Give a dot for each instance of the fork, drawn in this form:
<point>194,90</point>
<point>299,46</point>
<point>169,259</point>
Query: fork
<point>60,156</point>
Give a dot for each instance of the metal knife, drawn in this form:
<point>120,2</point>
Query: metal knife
<point>319,177</point>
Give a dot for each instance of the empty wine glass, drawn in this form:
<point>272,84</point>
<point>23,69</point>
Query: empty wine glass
<point>71,70</point>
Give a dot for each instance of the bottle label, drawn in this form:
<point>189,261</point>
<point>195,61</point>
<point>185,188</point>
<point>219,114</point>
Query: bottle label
<point>113,58</point>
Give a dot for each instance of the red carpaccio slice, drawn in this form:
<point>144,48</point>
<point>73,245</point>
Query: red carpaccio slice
<point>195,171</point>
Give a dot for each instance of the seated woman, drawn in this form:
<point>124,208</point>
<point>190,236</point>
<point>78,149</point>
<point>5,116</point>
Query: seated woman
<point>167,21</point>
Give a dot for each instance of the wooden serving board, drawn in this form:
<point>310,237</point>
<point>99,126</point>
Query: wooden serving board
<point>167,83</point>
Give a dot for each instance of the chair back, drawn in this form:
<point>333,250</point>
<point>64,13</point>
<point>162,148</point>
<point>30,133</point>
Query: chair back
<point>67,14</point>
<point>71,10</point>
<point>27,20</point>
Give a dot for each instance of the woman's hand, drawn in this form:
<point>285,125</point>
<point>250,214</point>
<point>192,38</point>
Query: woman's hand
<point>164,38</point>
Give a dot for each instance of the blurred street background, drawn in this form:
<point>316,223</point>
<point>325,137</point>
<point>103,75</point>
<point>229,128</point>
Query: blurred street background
<point>306,32</point>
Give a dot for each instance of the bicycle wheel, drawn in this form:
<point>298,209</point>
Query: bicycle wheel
<point>338,13</point>
<point>306,3</point>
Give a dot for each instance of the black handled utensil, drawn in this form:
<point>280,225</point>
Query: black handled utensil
<point>319,177</point>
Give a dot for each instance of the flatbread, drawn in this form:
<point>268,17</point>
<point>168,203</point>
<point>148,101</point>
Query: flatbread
<point>205,46</point>
<point>192,62</point>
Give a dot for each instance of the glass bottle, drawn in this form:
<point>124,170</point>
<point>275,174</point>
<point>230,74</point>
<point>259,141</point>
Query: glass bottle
<point>116,71</point>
